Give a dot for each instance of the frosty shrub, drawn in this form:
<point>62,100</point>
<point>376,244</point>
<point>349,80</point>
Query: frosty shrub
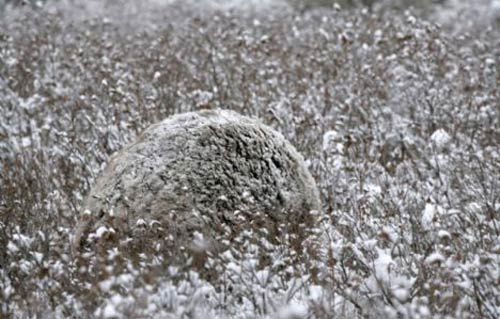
<point>197,174</point>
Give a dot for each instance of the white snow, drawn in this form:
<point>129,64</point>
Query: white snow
<point>293,311</point>
<point>11,62</point>
<point>378,35</point>
<point>434,258</point>
<point>440,138</point>
<point>328,139</point>
<point>101,231</point>
<point>443,234</point>
<point>262,277</point>
<point>38,256</point>
<point>401,294</point>
<point>106,285</point>
<point>489,62</point>
<point>11,247</point>
<point>332,141</point>
<point>22,240</point>
<point>372,189</point>
<point>110,312</point>
<point>26,141</point>
<point>140,223</point>
<point>382,265</point>
<point>429,215</point>
<point>200,243</point>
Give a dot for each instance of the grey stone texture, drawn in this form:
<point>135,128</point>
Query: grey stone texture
<point>198,172</point>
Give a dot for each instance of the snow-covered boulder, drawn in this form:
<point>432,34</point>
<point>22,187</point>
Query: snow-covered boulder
<point>189,177</point>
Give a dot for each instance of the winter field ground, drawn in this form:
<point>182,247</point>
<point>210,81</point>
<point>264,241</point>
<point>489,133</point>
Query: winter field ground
<point>397,113</point>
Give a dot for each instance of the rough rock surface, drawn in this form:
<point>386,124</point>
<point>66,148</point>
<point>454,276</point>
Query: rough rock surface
<point>195,172</point>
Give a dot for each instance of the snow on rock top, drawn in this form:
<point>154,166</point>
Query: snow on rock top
<point>189,172</point>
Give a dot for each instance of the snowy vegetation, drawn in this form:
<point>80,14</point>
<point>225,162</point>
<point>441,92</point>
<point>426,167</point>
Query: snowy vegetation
<point>397,117</point>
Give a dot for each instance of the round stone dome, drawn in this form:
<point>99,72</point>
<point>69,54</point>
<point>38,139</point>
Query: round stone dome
<point>196,173</point>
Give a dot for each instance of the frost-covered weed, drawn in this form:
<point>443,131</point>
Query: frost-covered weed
<point>397,117</point>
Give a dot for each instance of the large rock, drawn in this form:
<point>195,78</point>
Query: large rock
<point>199,172</point>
